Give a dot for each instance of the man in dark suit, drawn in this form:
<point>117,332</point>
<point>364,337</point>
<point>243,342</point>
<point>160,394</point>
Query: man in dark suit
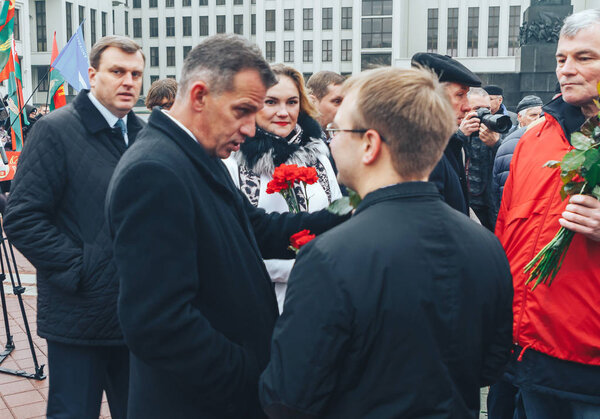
<point>405,309</point>
<point>55,217</point>
<point>196,303</point>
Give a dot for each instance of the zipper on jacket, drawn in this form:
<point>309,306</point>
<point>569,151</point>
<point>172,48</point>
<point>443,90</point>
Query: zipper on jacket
<point>539,232</point>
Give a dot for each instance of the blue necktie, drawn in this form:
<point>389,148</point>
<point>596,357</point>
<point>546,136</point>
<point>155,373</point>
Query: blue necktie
<point>121,124</point>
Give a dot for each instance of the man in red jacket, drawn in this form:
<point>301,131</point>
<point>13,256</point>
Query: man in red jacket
<point>556,329</point>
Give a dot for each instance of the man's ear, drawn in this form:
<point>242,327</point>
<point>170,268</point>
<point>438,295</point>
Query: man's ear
<point>313,99</point>
<point>198,93</point>
<point>372,144</point>
<point>92,76</point>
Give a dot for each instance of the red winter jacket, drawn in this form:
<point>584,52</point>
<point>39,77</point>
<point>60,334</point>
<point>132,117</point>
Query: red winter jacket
<point>562,320</point>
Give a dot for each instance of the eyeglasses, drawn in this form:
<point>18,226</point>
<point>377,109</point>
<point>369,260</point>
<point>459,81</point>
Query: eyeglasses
<point>332,131</point>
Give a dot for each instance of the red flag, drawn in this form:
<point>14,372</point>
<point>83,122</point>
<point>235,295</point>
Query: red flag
<point>58,93</point>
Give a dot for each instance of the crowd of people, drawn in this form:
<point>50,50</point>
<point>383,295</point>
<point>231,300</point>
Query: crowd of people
<point>164,272</point>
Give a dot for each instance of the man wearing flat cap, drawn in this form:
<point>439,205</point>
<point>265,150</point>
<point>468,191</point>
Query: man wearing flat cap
<point>449,174</point>
<point>497,97</point>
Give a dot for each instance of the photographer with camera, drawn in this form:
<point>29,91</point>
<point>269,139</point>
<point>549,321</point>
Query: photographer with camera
<point>480,132</point>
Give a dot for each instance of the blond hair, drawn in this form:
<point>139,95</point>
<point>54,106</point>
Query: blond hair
<point>306,106</point>
<point>410,110</point>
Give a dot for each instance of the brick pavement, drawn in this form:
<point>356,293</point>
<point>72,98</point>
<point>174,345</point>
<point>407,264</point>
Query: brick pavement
<point>23,398</point>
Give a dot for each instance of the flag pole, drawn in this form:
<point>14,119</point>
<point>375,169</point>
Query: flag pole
<point>29,98</point>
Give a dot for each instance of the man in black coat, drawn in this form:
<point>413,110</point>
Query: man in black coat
<point>405,309</point>
<point>196,303</point>
<point>55,217</point>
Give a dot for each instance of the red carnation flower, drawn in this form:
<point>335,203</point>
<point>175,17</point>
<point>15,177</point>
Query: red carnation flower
<point>300,239</point>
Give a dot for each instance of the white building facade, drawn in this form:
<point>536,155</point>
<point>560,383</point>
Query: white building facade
<point>344,36</point>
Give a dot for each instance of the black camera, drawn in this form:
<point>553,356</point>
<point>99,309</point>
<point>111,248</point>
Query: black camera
<point>497,123</point>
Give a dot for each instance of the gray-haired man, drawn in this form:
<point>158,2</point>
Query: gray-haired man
<point>196,303</point>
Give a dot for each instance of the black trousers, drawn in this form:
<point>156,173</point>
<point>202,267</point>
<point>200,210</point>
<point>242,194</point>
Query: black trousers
<point>79,374</point>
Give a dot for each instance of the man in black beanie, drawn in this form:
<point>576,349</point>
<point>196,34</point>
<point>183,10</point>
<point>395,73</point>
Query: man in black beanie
<point>449,174</point>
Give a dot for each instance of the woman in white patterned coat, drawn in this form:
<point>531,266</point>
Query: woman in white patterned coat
<point>287,133</point>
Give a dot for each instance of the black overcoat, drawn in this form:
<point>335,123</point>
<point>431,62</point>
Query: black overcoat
<point>55,217</point>
<point>404,311</point>
<point>196,303</point>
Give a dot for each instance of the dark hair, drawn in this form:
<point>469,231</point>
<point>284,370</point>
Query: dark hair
<point>160,90</point>
<point>123,43</point>
<point>319,82</point>
<point>219,58</point>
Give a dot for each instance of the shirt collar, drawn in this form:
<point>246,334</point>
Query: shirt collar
<point>183,127</point>
<point>108,115</point>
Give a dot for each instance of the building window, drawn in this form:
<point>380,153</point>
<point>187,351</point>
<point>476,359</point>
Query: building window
<point>170,56</point>
<point>17,24</point>
<point>346,17</point>
<point>40,19</point>
<point>126,23</point>
<point>514,23</point>
<point>186,3</point>
<point>307,51</point>
<point>327,50</point>
<point>137,27</point>
<point>376,7</point>
<point>221,28</point>
<point>103,23</point>
<point>288,51</point>
<point>307,19</point>
<point>81,17</point>
<point>202,2</point>
<point>452,41</point>
<point>270,51</point>
<point>171,76</point>
<point>153,3</point>
<point>203,25</point>
<point>269,20</point>
<point>473,32</point>
<point>41,74</point>
<point>153,79</point>
<point>69,17</point>
<point>153,27</point>
<point>186,51</point>
<point>236,2</point>
<point>368,61</point>
<point>153,56</point>
<point>220,2</point>
<point>346,49</point>
<point>171,26</point>
<point>493,31</point>
<point>327,18</point>
<point>253,24</point>
<point>93,26</point>
<point>137,4</point>
<point>432,30</point>
<point>238,24</point>
<point>169,3</point>
<point>377,32</point>
<point>187,25</point>
<point>288,20</point>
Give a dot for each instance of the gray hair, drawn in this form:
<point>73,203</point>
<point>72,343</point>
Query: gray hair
<point>218,59</point>
<point>477,91</point>
<point>579,21</point>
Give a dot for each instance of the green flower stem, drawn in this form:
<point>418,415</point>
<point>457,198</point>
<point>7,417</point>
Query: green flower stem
<point>548,261</point>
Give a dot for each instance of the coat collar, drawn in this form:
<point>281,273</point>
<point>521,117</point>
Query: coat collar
<point>568,116</point>
<point>92,119</point>
<point>211,167</point>
<point>405,190</point>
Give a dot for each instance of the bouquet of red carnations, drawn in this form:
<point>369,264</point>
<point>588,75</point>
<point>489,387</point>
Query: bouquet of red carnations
<point>580,174</point>
<point>285,178</point>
